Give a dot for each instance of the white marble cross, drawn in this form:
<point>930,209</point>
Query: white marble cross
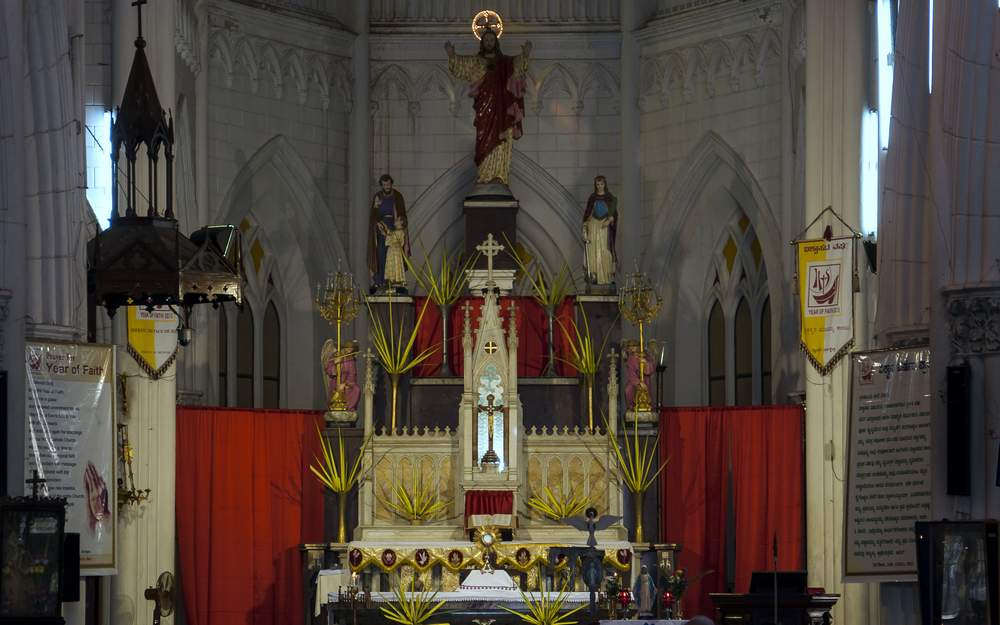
<point>489,248</point>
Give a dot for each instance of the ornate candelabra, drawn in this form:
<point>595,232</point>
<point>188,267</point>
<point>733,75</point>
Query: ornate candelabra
<point>128,494</point>
<point>639,303</point>
<point>338,301</point>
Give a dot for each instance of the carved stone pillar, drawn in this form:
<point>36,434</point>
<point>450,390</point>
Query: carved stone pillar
<point>834,101</point>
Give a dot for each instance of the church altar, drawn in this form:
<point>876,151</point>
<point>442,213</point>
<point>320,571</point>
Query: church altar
<point>442,562</point>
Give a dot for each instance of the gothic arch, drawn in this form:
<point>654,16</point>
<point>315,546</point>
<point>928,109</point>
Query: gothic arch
<point>703,196</point>
<point>712,154</point>
<point>275,191</point>
<point>392,75</point>
<point>548,222</point>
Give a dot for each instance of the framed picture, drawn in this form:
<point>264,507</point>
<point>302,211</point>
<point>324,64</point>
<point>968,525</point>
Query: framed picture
<point>957,567</point>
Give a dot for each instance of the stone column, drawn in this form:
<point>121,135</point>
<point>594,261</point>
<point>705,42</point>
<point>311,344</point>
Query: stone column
<point>54,180</point>
<point>630,204</point>
<point>835,99</point>
<point>360,159</point>
<point>964,167</point>
<point>146,534</point>
<point>12,230</point>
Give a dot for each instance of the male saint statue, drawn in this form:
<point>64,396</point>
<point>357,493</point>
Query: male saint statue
<point>386,215</point>
<point>498,97</point>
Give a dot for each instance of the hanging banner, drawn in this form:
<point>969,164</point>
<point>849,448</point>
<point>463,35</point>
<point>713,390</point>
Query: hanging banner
<point>889,463</point>
<point>826,299</point>
<point>152,338</point>
<point>70,442</point>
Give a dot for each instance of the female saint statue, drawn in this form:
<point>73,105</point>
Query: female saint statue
<point>498,96</point>
<point>600,222</point>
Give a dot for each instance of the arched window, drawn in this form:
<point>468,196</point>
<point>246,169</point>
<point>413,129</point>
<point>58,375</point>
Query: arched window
<point>743,350</point>
<point>223,358</point>
<point>739,347</point>
<point>250,338</point>
<point>765,353</point>
<point>716,356</point>
<point>271,363</point>
<point>244,357</point>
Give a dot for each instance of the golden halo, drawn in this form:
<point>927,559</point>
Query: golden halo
<point>487,19</point>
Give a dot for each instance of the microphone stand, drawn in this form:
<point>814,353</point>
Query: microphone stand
<point>774,551</point>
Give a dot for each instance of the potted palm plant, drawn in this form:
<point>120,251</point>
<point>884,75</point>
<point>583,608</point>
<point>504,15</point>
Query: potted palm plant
<point>583,357</point>
<point>444,285</point>
<point>415,502</point>
<point>549,293</point>
<point>394,350</point>
<point>635,467</point>
<point>333,472</point>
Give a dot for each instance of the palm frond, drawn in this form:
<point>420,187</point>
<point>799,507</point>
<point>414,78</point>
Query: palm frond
<point>545,610</point>
<point>332,470</point>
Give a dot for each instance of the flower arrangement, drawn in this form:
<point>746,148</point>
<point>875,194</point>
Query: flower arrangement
<point>676,583</point>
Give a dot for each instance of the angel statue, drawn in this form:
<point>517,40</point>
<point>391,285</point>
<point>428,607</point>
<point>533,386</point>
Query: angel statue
<point>342,392</point>
<point>593,570</point>
<point>498,96</point>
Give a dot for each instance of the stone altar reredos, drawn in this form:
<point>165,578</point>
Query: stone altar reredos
<point>568,460</point>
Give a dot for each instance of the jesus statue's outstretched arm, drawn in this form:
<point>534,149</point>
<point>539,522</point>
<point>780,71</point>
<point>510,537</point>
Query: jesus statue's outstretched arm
<point>498,98</point>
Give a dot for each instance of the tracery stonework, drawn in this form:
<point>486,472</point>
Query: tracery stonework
<point>974,322</point>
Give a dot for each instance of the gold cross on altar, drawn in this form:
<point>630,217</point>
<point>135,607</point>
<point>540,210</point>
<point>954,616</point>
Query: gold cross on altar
<point>489,248</point>
<point>490,457</point>
<point>490,347</point>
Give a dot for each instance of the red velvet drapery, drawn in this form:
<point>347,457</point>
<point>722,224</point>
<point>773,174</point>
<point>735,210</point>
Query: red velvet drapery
<point>532,332</point>
<point>244,505</point>
<point>488,502</point>
<point>761,447</point>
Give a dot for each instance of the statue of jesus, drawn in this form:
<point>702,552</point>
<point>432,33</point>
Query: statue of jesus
<point>498,96</point>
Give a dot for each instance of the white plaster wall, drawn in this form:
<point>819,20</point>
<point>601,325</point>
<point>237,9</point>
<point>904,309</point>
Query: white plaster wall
<point>277,76</point>
<point>713,123</point>
<point>423,132</point>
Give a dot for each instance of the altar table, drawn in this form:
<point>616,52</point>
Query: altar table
<point>327,583</point>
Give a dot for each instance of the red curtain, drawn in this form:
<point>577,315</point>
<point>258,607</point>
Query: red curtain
<point>488,502</point>
<point>244,506</point>
<point>532,332</point>
<point>761,447</point>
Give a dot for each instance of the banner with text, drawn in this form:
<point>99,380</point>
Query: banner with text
<point>889,455</point>
<point>69,439</point>
<point>826,299</point>
<point>152,338</point>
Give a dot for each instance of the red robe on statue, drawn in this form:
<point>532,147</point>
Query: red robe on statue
<point>499,103</point>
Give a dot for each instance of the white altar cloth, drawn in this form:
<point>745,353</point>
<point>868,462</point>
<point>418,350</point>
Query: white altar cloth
<point>327,582</point>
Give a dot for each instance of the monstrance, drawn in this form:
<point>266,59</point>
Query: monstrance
<point>339,302</point>
<point>639,303</point>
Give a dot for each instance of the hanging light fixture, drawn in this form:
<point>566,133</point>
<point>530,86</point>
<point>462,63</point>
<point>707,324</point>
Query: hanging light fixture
<point>143,259</point>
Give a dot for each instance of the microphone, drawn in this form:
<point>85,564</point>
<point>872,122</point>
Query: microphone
<point>774,551</point>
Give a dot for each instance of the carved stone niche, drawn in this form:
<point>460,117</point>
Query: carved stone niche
<point>974,322</point>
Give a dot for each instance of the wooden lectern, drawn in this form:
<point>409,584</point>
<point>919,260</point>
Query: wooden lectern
<point>775,598</point>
